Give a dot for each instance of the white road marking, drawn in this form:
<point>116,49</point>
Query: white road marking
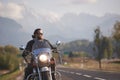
<point>99,78</point>
<point>87,76</point>
<point>78,74</point>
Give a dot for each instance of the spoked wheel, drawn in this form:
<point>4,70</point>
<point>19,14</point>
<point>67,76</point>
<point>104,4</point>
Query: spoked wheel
<point>46,75</point>
<point>36,78</point>
<point>57,75</point>
<point>33,77</point>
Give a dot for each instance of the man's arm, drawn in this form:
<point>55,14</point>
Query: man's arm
<point>28,49</point>
<point>52,47</point>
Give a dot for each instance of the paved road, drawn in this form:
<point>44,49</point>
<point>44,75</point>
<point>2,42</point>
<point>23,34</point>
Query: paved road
<point>77,74</point>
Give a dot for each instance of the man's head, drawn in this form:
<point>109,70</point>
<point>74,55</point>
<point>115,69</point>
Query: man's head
<point>38,33</point>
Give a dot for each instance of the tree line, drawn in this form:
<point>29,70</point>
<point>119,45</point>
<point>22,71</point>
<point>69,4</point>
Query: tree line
<point>105,47</point>
<point>8,57</point>
<point>102,47</point>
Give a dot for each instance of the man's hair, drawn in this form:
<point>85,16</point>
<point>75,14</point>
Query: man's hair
<point>35,32</point>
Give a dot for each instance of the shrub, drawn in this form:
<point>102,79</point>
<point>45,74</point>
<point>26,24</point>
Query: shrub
<point>8,57</point>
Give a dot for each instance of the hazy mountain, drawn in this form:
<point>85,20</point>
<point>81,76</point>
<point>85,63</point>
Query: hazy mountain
<point>79,46</point>
<point>84,46</point>
<point>12,33</point>
<point>107,23</point>
<point>68,28</point>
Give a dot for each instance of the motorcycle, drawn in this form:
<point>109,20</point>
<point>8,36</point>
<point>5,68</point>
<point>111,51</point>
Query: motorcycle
<point>41,62</point>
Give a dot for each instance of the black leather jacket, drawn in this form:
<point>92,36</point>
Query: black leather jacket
<point>31,43</point>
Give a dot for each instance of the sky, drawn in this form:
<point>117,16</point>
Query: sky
<point>59,7</point>
<point>31,13</point>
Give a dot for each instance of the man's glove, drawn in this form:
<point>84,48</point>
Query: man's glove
<point>25,53</point>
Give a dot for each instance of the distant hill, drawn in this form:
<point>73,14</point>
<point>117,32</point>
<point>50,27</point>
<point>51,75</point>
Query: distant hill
<point>78,46</point>
<point>11,33</point>
<point>83,46</point>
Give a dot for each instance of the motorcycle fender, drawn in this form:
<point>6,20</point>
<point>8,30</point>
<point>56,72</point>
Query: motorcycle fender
<point>44,69</point>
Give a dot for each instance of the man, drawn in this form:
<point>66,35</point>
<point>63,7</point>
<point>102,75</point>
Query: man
<point>40,41</point>
<point>43,43</point>
<point>26,52</point>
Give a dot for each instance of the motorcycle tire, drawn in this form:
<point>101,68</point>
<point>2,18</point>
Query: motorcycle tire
<point>45,75</point>
<point>33,77</point>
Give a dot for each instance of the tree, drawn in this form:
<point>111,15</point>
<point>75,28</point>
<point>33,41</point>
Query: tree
<point>11,49</point>
<point>116,36</point>
<point>97,42</point>
<point>108,49</point>
<point>71,55</point>
<point>8,57</point>
<point>2,50</point>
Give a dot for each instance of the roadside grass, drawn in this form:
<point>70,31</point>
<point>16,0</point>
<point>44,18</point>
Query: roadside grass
<point>106,66</point>
<point>10,76</point>
<point>93,65</point>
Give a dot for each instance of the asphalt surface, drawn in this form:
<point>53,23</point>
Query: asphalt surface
<point>77,74</point>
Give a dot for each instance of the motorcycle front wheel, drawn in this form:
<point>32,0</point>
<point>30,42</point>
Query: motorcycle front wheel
<point>46,75</point>
<point>33,77</point>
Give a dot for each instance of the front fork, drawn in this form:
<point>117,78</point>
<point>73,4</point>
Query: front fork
<point>38,70</point>
<point>44,73</point>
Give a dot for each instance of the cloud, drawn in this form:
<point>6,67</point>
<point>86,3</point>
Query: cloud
<point>83,1</point>
<point>47,16</point>
<point>51,17</point>
<point>11,10</point>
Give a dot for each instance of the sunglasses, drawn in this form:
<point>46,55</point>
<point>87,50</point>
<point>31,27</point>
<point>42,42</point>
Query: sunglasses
<point>40,33</point>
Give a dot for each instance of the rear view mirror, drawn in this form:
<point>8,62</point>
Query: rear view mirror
<point>22,47</point>
<point>58,43</point>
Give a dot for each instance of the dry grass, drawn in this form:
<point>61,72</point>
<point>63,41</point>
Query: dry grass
<point>93,65</point>
<point>11,75</point>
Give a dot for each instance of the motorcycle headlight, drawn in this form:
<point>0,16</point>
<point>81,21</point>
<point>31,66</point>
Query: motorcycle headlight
<point>43,58</point>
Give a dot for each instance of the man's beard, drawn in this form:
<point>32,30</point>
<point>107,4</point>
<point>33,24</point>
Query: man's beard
<point>39,38</point>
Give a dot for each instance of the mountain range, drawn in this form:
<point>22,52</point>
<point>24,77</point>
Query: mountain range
<point>11,33</point>
<point>69,27</point>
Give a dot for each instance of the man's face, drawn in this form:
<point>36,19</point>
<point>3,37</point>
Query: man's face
<point>40,34</point>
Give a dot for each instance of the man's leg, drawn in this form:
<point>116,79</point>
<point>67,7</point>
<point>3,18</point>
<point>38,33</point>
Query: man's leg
<point>28,70</point>
<point>53,68</point>
<point>25,73</point>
